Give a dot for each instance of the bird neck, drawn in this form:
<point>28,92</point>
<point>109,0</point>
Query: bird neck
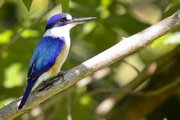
<point>60,32</point>
<point>63,31</point>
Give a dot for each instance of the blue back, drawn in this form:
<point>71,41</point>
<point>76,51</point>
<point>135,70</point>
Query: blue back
<point>44,56</point>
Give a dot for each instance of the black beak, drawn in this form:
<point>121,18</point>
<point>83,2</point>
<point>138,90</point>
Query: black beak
<point>81,20</point>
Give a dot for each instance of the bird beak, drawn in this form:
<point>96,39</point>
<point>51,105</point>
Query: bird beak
<point>81,20</point>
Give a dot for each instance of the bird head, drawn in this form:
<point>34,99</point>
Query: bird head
<point>65,19</point>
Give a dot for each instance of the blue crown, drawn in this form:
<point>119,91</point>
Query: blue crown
<point>54,21</point>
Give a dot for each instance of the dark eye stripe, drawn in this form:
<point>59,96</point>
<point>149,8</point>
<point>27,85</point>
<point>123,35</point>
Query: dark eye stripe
<point>61,22</point>
<point>62,19</point>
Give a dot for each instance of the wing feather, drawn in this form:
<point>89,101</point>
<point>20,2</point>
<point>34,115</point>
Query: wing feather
<point>44,56</point>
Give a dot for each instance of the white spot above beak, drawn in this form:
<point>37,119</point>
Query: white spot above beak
<point>69,17</point>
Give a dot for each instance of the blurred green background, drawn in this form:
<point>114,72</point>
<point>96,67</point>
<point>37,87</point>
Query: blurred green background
<point>22,23</point>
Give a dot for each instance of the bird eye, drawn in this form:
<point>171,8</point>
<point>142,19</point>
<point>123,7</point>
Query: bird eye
<point>62,20</point>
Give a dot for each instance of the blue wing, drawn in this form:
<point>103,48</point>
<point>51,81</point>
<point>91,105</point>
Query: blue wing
<point>42,60</point>
<point>44,56</point>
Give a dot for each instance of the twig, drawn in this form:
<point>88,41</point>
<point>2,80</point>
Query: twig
<point>124,48</point>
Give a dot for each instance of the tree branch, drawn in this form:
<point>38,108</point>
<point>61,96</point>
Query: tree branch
<point>126,47</point>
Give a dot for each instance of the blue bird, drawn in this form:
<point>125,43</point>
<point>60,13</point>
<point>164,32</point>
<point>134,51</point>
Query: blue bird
<point>51,52</point>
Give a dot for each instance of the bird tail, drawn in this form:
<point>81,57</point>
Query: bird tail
<point>26,93</point>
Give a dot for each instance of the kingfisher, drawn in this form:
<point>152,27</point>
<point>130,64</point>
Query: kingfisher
<point>51,52</point>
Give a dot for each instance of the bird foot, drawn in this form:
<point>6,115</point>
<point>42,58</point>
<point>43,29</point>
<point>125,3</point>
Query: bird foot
<point>50,82</point>
<point>60,74</point>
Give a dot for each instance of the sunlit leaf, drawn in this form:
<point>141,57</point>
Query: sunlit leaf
<point>169,38</point>
<point>160,40</point>
<point>87,28</point>
<point>85,100</point>
<point>103,8</point>
<point>38,7</point>
<point>29,33</point>
<point>173,39</point>
<point>13,75</point>
<point>5,36</point>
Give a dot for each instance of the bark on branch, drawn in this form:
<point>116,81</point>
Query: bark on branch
<point>125,47</point>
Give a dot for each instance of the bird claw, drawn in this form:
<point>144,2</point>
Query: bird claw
<point>49,83</point>
<point>61,74</point>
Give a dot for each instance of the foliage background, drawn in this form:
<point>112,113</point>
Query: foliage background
<point>22,25</point>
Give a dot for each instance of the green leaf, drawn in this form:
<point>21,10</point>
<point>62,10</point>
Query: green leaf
<point>5,36</point>
<point>65,6</point>
<point>29,33</point>
<point>169,38</point>
<point>27,3</point>
<point>13,75</point>
<point>160,40</point>
<point>173,39</point>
